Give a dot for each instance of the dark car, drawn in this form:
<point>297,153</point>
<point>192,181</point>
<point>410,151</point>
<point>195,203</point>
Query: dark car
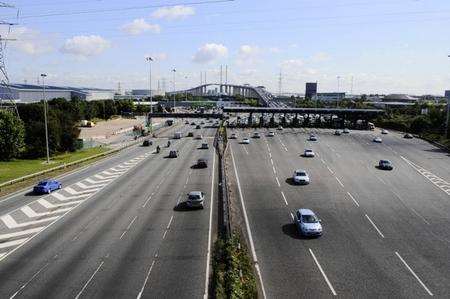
<point>198,127</point>
<point>385,165</point>
<point>46,186</point>
<point>190,134</point>
<point>193,123</point>
<point>147,143</point>
<point>202,163</point>
<point>173,154</point>
<point>408,136</point>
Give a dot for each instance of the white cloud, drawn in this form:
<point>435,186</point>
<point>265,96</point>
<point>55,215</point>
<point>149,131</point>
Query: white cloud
<point>139,26</point>
<point>320,57</point>
<point>292,63</point>
<point>274,50</point>
<point>85,45</point>
<point>248,55</point>
<point>173,12</point>
<point>210,52</point>
<point>28,41</point>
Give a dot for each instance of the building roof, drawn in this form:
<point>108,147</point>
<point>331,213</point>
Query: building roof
<point>53,87</point>
<point>399,98</point>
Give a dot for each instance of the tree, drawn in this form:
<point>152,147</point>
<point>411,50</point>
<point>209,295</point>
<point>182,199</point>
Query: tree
<point>12,132</point>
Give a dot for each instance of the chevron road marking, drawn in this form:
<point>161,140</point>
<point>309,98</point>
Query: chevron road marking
<point>67,198</point>
<point>100,177</point>
<point>32,213</point>
<point>12,243</point>
<point>83,186</point>
<point>89,180</point>
<point>116,173</point>
<point>49,205</point>
<point>75,192</point>
<point>11,223</point>
<point>21,233</point>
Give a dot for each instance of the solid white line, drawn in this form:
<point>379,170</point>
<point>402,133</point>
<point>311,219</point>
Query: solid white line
<point>373,224</point>
<point>247,225</point>
<point>28,282</point>
<point>208,253</point>
<point>329,169</point>
<point>89,281</point>
<point>284,197</point>
<point>339,181</point>
<point>145,281</point>
<point>323,273</point>
<point>354,200</point>
<point>414,274</point>
<point>12,243</point>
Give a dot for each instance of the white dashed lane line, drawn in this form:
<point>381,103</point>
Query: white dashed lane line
<point>284,198</point>
<point>323,273</point>
<point>353,199</point>
<point>373,224</point>
<point>414,274</point>
<point>339,181</point>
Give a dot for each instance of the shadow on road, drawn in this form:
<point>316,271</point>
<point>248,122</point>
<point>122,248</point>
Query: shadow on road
<point>291,230</point>
<point>183,207</point>
<point>32,193</point>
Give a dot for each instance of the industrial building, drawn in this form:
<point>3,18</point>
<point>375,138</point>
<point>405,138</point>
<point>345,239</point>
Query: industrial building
<point>329,96</point>
<point>310,90</point>
<point>28,93</point>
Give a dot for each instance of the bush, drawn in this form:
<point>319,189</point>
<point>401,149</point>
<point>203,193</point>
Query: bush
<point>12,132</point>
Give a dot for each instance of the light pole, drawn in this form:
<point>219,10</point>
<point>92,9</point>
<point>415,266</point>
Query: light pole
<point>149,119</point>
<point>174,71</point>
<point>185,77</point>
<point>45,117</point>
<point>338,85</point>
<point>447,132</point>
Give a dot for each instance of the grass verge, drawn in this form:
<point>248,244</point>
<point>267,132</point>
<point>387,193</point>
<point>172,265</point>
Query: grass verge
<point>233,275</point>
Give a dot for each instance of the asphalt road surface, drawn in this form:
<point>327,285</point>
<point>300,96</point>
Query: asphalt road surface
<point>385,233</point>
<point>117,229</point>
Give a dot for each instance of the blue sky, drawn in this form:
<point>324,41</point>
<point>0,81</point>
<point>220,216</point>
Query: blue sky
<point>385,46</point>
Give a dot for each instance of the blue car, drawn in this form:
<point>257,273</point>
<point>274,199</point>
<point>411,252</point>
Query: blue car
<point>47,186</point>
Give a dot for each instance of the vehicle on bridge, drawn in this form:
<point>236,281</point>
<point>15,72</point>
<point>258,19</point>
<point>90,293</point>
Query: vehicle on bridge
<point>385,165</point>
<point>245,141</point>
<point>300,177</point>
<point>308,153</point>
<point>256,135</point>
<point>271,134</point>
<point>47,186</point>
<point>195,199</point>
<point>308,224</point>
<point>377,139</point>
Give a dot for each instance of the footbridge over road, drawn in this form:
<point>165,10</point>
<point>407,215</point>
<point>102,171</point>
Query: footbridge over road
<point>231,90</point>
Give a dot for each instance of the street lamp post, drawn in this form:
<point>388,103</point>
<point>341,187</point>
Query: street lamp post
<point>174,71</point>
<point>149,119</point>
<point>185,77</point>
<point>447,132</point>
<point>45,117</point>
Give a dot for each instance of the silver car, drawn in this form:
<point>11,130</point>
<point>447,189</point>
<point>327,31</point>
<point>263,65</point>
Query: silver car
<point>195,199</point>
<point>308,224</point>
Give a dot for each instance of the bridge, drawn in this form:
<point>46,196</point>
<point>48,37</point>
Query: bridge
<point>223,90</point>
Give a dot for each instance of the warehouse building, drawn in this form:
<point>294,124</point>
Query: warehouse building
<point>28,93</point>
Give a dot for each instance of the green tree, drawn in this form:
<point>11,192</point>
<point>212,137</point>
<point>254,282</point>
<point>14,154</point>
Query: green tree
<point>12,132</point>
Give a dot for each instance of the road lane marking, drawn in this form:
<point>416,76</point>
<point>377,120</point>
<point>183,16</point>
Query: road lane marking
<point>414,274</point>
<point>292,216</point>
<point>12,243</point>
<point>411,208</point>
<point>274,171</point>
<point>247,225</point>
<point>278,182</point>
<point>339,181</point>
<point>284,197</point>
<point>271,161</point>
<point>323,161</point>
<point>373,224</point>
<point>89,281</point>
<point>354,200</point>
<point>329,169</point>
<point>128,228</point>
<point>208,252</point>
<point>20,233</point>
<point>323,273</point>
<point>146,279</point>
<point>28,282</point>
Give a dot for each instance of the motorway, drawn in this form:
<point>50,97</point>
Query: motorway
<point>117,229</point>
<point>386,233</point>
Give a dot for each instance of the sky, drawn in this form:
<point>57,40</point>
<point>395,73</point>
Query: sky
<point>382,46</point>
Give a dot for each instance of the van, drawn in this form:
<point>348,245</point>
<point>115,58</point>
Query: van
<point>177,135</point>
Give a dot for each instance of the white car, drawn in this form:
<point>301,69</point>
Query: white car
<point>256,135</point>
<point>308,224</point>
<point>233,136</point>
<point>271,134</point>
<point>199,137</point>
<point>346,131</point>
<point>246,141</point>
<point>309,153</point>
<point>312,137</point>
<point>384,131</point>
<point>280,128</point>
<point>300,177</point>
<point>195,199</point>
<point>377,140</point>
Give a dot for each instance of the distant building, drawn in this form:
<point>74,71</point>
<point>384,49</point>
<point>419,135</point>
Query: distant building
<point>400,98</point>
<point>447,94</point>
<point>310,90</point>
<point>329,96</point>
<point>28,93</point>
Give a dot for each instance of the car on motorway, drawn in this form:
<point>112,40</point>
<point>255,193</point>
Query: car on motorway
<point>280,128</point>
<point>377,140</point>
<point>193,123</point>
<point>147,143</point>
<point>47,186</point>
<point>312,137</point>
<point>233,136</point>
<point>202,163</point>
<point>271,134</point>
<point>346,131</point>
<point>202,122</point>
<point>384,131</point>
<point>204,146</point>
<point>190,134</point>
<point>199,137</point>
<point>337,133</point>
<point>177,135</point>
<point>300,177</point>
<point>385,165</point>
<point>186,122</point>
<point>173,154</point>
<point>308,224</point>
<point>309,153</point>
<point>408,136</point>
<point>256,135</point>
<point>246,141</point>
<point>195,199</point>
<point>197,127</point>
